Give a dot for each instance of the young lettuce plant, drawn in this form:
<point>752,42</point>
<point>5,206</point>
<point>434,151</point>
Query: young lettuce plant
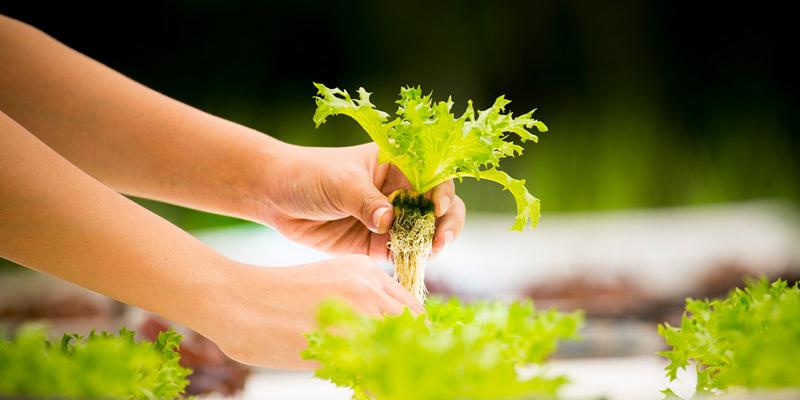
<point>453,351</point>
<point>429,145</point>
<point>748,340</point>
<point>99,366</point>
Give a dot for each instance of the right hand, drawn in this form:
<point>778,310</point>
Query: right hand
<point>335,200</point>
<point>266,311</point>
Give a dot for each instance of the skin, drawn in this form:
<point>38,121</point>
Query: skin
<point>75,134</point>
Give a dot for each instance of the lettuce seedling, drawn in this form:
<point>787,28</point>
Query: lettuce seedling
<point>750,339</point>
<point>99,366</point>
<point>453,351</point>
<point>429,145</point>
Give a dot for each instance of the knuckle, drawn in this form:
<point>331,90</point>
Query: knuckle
<point>448,188</point>
<point>367,199</point>
<point>459,207</point>
<point>346,174</point>
<point>363,289</point>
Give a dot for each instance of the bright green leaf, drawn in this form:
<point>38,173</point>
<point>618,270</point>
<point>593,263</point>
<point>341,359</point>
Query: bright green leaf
<point>750,339</point>
<point>453,351</point>
<point>431,146</point>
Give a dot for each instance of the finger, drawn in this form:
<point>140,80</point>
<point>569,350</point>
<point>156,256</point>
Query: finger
<point>368,309</point>
<point>443,196</point>
<point>450,225</point>
<point>365,202</point>
<point>378,248</point>
<point>397,292</point>
<point>390,306</point>
<point>394,179</point>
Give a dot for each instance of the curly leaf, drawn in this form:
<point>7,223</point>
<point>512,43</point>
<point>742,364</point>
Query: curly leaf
<point>453,351</point>
<point>750,339</point>
<point>431,146</point>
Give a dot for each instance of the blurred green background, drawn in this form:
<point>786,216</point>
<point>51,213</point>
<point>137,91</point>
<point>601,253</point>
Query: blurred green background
<point>649,104</point>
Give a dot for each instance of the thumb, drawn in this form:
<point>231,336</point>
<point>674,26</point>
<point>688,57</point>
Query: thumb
<point>370,206</point>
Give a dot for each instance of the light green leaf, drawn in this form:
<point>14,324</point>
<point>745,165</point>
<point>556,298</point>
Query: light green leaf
<point>431,146</point>
<point>750,339</point>
<point>101,365</point>
<point>453,351</point>
<point>528,207</point>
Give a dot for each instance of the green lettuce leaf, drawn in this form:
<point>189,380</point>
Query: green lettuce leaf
<point>101,365</point>
<point>454,351</point>
<point>750,339</point>
<point>430,145</point>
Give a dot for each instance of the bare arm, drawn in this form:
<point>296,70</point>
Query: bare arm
<point>57,219</point>
<point>140,142</point>
<point>126,135</point>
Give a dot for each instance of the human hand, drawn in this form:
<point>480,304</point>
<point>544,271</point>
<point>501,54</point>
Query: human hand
<point>334,199</point>
<point>266,311</point>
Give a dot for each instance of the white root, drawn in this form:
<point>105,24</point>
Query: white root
<point>411,240</point>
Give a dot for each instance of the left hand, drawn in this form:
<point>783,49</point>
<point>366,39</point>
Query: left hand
<point>334,200</point>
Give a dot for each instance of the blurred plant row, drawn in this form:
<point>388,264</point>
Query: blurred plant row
<point>739,344</point>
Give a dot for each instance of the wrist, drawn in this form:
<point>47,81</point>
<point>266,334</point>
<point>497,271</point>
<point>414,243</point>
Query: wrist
<point>214,298</point>
<point>243,309</point>
<point>266,167</point>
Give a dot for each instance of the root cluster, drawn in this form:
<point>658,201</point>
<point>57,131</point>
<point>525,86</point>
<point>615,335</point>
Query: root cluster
<point>411,240</point>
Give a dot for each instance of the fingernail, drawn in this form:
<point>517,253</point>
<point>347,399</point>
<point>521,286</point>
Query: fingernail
<point>444,203</point>
<point>448,237</point>
<point>377,216</point>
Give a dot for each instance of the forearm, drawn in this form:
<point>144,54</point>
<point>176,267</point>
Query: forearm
<point>130,137</point>
<point>56,219</point>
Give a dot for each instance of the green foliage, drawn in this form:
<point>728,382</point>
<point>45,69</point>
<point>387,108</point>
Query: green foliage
<point>101,365</point>
<point>453,351</point>
<point>751,339</point>
<point>430,145</point>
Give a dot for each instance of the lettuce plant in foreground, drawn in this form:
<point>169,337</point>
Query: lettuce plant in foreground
<point>453,351</point>
<point>100,365</point>
<point>748,340</point>
<point>429,145</point>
